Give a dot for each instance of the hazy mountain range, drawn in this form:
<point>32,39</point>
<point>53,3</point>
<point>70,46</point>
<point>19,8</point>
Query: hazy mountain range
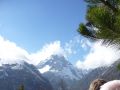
<point>107,73</point>
<point>12,76</point>
<point>55,73</point>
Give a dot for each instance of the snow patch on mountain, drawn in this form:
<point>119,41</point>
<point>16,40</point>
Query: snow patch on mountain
<point>59,66</point>
<point>44,69</point>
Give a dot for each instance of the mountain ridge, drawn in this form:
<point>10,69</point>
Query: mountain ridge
<point>14,75</point>
<point>107,73</point>
<point>61,73</point>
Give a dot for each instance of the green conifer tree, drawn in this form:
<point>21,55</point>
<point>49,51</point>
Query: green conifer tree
<point>103,21</point>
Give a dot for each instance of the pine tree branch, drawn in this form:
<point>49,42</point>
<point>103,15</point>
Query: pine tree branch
<point>105,2</point>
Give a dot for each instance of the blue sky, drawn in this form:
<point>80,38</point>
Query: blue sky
<point>40,21</point>
<point>33,23</point>
<point>34,30</point>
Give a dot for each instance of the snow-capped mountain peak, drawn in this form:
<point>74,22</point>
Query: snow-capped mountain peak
<point>60,66</point>
<point>59,72</point>
<point>55,63</point>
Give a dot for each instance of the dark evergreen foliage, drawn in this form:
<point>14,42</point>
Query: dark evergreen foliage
<point>103,21</point>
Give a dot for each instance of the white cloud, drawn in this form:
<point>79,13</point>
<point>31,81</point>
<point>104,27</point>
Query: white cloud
<point>10,52</point>
<point>85,44</point>
<point>73,45</point>
<point>98,56</point>
<point>46,52</point>
<point>55,48</point>
<point>69,47</point>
